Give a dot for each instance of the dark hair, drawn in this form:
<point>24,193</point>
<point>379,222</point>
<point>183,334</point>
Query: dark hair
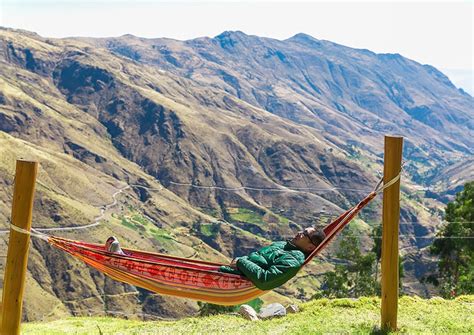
<point>318,236</point>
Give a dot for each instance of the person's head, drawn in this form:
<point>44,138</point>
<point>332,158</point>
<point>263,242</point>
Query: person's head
<point>308,239</point>
<point>109,241</point>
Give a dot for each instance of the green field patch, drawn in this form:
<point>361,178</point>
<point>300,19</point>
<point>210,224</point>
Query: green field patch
<point>127,223</point>
<point>246,215</point>
<point>282,219</point>
<point>359,227</point>
<point>160,234</point>
<point>138,222</point>
<point>139,218</point>
<point>209,229</point>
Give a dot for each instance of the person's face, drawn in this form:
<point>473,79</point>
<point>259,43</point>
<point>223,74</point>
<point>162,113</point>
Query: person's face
<point>302,240</point>
<point>108,242</point>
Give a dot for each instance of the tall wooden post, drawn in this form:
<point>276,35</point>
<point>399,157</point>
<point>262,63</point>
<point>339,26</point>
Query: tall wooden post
<point>391,218</point>
<point>17,257</point>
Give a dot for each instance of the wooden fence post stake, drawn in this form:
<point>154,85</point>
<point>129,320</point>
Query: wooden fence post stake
<point>390,228</point>
<point>17,257</point>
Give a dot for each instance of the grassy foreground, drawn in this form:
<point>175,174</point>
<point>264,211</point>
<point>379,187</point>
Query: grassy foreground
<point>338,316</point>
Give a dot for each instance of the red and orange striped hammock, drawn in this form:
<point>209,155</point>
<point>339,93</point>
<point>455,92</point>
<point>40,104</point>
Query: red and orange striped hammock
<point>182,277</point>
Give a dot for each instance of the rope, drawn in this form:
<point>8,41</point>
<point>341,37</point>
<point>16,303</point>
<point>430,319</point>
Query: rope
<point>96,219</point>
<point>37,232</point>
<point>69,228</point>
<point>409,223</point>
<point>33,232</point>
<point>408,235</point>
<point>281,188</point>
<point>380,188</point>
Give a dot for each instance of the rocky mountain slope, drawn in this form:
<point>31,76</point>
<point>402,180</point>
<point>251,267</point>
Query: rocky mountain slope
<point>232,111</point>
<point>344,93</point>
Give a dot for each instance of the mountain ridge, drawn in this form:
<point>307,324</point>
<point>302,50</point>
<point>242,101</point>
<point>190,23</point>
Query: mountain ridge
<point>390,58</point>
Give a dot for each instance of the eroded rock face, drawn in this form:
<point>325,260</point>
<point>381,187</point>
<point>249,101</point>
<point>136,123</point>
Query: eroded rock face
<point>82,153</point>
<point>26,57</point>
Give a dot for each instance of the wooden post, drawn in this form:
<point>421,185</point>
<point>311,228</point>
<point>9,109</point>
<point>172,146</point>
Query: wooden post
<point>17,257</point>
<point>391,218</point>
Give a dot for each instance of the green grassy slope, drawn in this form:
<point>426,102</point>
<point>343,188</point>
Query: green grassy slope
<point>341,316</point>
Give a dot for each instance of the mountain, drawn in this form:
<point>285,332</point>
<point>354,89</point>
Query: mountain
<point>170,118</point>
<point>347,93</point>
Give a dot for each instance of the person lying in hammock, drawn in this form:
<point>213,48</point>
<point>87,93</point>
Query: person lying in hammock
<point>269,267</point>
<point>277,263</point>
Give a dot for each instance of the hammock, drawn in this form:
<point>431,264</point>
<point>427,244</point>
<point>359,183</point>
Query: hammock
<point>182,277</point>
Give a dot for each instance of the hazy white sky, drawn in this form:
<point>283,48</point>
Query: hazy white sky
<point>430,32</point>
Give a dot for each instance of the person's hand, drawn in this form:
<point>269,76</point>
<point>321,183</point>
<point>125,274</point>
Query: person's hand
<point>233,264</point>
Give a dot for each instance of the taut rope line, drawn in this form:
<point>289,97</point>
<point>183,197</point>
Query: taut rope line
<point>37,232</point>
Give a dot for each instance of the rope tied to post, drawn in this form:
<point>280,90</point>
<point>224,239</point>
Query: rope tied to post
<point>33,232</point>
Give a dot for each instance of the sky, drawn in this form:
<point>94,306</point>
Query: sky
<point>431,32</point>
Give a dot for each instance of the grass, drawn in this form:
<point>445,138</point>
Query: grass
<point>128,224</point>
<point>338,316</point>
<point>136,221</point>
<point>359,227</point>
<point>209,230</point>
<point>163,240</point>
<point>160,234</point>
<point>139,223</point>
<point>255,217</point>
<point>281,219</point>
<point>245,215</point>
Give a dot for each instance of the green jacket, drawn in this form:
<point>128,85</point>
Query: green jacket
<point>270,266</point>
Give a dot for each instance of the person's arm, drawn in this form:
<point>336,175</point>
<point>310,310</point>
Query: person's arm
<point>254,257</point>
<point>277,274</point>
<point>232,267</point>
<point>258,259</point>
